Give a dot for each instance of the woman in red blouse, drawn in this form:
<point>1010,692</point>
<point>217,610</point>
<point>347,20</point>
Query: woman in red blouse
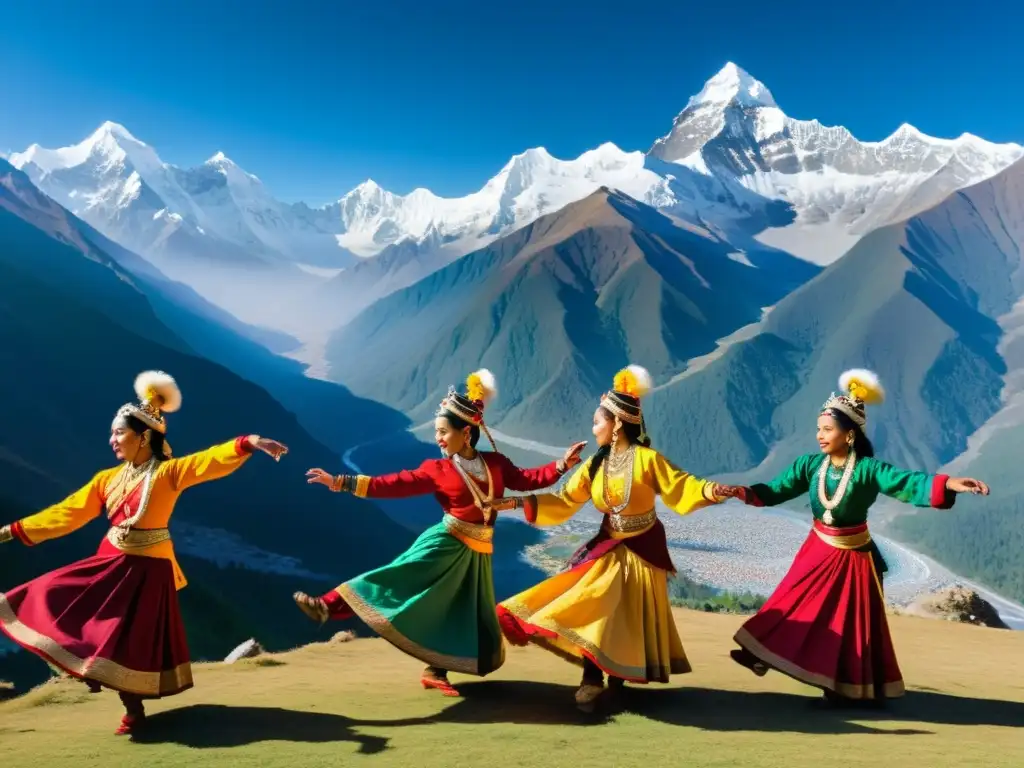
<point>436,601</point>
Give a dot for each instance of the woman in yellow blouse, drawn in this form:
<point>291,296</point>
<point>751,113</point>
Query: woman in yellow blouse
<point>609,609</point>
<point>113,619</point>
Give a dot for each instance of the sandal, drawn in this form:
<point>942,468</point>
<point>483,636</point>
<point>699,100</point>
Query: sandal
<point>314,607</point>
<point>438,682</point>
<point>129,723</point>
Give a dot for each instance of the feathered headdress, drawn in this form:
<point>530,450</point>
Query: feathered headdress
<point>623,400</point>
<point>158,394</point>
<point>858,387</point>
<point>481,387</point>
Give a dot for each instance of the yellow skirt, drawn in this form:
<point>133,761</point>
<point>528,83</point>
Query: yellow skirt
<point>613,610</point>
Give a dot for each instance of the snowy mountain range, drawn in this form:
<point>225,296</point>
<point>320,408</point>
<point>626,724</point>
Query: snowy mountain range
<point>841,188</point>
<point>732,163</point>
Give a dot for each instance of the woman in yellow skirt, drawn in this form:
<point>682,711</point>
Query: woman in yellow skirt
<point>609,609</point>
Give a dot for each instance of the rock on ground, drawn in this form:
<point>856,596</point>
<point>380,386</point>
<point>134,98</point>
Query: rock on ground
<point>247,650</point>
<point>957,604</point>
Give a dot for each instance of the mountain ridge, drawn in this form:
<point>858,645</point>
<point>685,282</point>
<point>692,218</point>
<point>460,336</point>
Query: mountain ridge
<point>548,296</point>
<point>699,185</point>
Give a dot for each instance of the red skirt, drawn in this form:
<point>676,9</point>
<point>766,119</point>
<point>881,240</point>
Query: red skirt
<point>825,624</point>
<point>109,618</point>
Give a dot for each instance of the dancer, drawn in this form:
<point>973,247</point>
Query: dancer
<point>436,601</point>
<point>113,619</point>
<point>825,624</point>
<point>609,610</point>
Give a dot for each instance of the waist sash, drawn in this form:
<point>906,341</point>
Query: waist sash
<point>854,537</point>
<point>479,538</point>
<point>628,526</point>
<point>130,540</point>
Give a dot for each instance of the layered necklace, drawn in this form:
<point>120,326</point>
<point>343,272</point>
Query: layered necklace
<point>619,464</point>
<point>474,467</point>
<point>827,470</point>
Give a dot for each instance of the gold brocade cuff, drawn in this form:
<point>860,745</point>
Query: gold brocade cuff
<point>709,492</point>
<point>354,484</point>
<point>5,534</point>
<point>362,486</point>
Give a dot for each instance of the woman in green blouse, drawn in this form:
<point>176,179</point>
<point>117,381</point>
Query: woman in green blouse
<point>825,624</point>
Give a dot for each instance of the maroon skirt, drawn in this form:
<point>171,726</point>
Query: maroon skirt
<point>111,618</point>
<point>825,624</point>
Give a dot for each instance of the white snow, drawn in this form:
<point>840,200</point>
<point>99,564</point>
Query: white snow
<point>733,84</point>
<point>839,187</point>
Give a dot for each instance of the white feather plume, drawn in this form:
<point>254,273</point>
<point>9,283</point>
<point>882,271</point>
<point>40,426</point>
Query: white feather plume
<point>868,380</point>
<point>165,387</point>
<point>644,382</point>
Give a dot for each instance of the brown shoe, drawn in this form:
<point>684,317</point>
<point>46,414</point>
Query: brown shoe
<point>587,695</point>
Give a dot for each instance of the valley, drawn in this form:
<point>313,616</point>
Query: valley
<point>745,258</point>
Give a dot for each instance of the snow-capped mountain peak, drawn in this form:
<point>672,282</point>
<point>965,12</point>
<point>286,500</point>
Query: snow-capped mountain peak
<point>731,157</point>
<point>839,186</point>
<point>109,144</point>
<point>733,85</point>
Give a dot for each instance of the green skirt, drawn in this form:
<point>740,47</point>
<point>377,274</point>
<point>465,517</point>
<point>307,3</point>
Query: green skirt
<point>435,602</point>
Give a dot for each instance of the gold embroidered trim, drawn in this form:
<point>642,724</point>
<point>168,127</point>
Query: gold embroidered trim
<point>483,503</point>
<point>472,530</point>
<point>618,410</point>
<point>123,484</point>
<point>650,673</point>
<point>632,523</point>
<point>890,690</point>
<point>122,531</point>
<point>362,486</point>
<point>383,627</point>
<point>5,534</point>
<point>120,678</point>
<point>137,538</point>
<point>466,414</point>
<point>845,541</point>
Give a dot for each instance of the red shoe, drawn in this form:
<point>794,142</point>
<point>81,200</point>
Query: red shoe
<point>438,684</point>
<point>129,723</point>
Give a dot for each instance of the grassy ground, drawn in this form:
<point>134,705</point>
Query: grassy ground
<point>359,703</point>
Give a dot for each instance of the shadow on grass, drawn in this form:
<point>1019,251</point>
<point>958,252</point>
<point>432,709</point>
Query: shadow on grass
<point>538,703</point>
<point>204,726</point>
<point>723,710</point>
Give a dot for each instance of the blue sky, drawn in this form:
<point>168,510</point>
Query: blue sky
<point>315,99</point>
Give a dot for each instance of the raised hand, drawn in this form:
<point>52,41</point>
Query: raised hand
<point>967,485</point>
<point>320,477</point>
<point>572,455</point>
<point>272,448</point>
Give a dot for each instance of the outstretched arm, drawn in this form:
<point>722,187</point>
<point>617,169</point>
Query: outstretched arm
<point>679,490</point>
<point>67,516</point>
<point>397,485</point>
<point>535,479</point>
<point>792,482</point>
<point>212,464</point>
<point>546,509</point>
<point>922,489</point>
